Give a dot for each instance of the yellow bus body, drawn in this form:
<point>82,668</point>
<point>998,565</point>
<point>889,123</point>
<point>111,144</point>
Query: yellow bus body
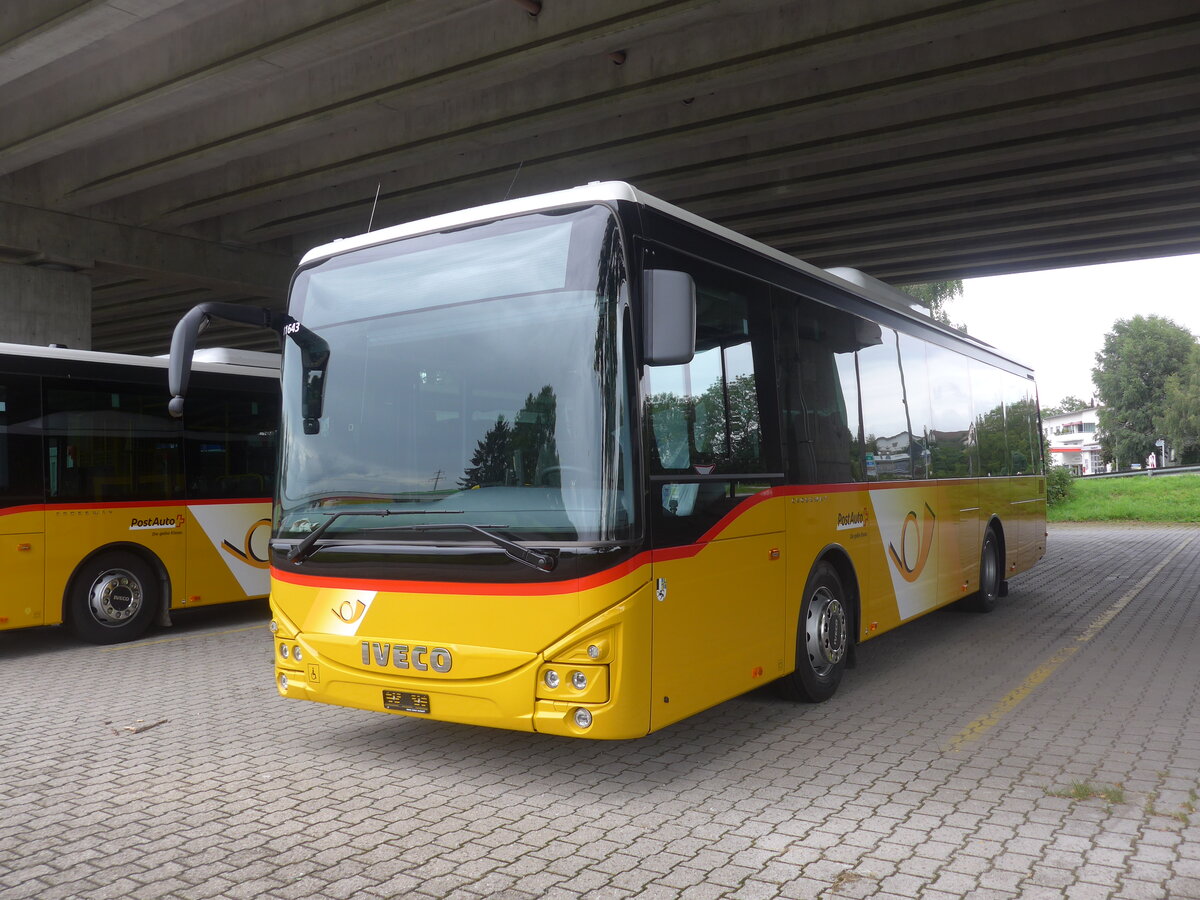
<point>674,631</point>
<point>208,552</point>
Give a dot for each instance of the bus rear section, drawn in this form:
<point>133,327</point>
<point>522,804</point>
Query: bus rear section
<point>112,513</point>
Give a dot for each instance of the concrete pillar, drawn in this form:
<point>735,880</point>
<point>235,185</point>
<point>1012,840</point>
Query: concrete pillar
<point>44,306</point>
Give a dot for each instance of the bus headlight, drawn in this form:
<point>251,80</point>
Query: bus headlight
<point>283,650</point>
<point>574,683</point>
<point>297,654</point>
<point>274,626</point>
<point>283,683</point>
<point>583,717</point>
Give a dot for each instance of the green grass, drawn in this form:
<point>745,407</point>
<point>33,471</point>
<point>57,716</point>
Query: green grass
<point>1085,790</point>
<point>1138,498</point>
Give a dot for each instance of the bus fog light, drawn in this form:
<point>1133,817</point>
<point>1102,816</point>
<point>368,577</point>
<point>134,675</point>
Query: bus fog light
<point>297,654</point>
<point>283,683</point>
<point>551,679</point>
<point>583,718</point>
<point>579,681</point>
<point>274,626</point>
<point>283,650</point>
<point>593,651</point>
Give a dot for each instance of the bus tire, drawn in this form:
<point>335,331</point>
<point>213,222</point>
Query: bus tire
<point>822,638</point>
<point>984,600</point>
<point>112,598</point>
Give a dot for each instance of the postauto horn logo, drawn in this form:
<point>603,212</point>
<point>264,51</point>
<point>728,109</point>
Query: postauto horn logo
<point>910,569</point>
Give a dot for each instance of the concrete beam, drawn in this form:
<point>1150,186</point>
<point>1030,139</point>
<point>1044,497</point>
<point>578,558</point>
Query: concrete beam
<point>431,62</point>
<point>38,235</point>
<point>456,130</point>
<point>53,29</point>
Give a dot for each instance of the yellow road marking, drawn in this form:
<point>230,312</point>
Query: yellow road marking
<point>984,723</point>
<point>181,637</point>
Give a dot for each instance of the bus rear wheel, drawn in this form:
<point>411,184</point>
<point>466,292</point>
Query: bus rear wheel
<point>112,598</point>
<point>822,638</point>
<point>984,600</point>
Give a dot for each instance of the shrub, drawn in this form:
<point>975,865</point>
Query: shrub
<point>1059,482</point>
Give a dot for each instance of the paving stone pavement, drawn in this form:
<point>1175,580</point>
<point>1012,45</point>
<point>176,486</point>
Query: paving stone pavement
<point>1050,749</point>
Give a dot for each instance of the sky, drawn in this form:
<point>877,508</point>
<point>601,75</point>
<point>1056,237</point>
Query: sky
<point>1056,320</point>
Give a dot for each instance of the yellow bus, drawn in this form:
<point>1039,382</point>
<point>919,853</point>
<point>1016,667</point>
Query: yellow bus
<point>112,513</point>
<point>585,464</point>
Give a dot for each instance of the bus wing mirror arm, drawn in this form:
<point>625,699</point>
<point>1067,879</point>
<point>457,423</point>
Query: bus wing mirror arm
<point>187,330</point>
<point>669,320</point>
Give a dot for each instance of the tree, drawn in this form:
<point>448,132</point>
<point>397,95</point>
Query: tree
<point>935,295</point>
<point>1131,374</point>
<point>1067,404</point>
<point>491,461</point>
<point>1179,422</point>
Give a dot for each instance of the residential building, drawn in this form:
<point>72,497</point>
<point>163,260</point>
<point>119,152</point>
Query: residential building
<point>1075,441</point>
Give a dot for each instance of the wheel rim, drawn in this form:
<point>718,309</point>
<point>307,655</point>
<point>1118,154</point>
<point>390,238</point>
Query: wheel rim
<point>825,631</point>
<point>115,597</point>
<point>988,569</point>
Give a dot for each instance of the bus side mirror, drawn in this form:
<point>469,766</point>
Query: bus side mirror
<point>669,324</point>
<point>187,330</point>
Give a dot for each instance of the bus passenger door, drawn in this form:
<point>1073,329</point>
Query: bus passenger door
<point>23,561</point>
<point>718,608</point>
<point>714,449</point>
<point>22,515</point>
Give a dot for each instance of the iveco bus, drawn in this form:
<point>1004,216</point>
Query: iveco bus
<point>585,464</point>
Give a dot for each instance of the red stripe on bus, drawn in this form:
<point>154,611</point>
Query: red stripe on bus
<point>127,504</point>
<point>572,586</point>
<point>15,510</point>
<point>589,582</point>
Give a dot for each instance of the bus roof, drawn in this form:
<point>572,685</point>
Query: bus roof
<point>235,362</point>
<point>848,279</point>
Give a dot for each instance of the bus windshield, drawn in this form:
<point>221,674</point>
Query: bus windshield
<point>472,379</point>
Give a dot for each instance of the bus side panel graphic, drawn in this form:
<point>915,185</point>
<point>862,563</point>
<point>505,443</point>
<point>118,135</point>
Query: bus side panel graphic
<point>908,529</point>
<point>233,539</point>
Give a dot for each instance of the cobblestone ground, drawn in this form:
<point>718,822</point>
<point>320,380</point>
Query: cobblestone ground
<point>1050,749</point>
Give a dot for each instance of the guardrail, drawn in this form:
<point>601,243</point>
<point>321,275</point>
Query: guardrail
<point>1168,470</point>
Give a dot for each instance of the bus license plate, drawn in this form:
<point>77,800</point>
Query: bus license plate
<point>403,701</point>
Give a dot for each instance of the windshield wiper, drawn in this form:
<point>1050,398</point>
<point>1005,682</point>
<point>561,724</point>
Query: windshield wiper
<point>302,550</point>
<point>536,559</point>
<point>533,558</point>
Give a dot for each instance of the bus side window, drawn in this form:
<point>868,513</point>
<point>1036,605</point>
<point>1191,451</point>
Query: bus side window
<point>952,445</point>
<point>229,445</point>
<point>818,388</point>
<point>890,443</point>
<point>706,421</point>
<point>987,396</point>
<point>1020,425</point>
<point>20,466</point>
<point>110,445</point>
<point>914,371</point>
<point>704,416</point>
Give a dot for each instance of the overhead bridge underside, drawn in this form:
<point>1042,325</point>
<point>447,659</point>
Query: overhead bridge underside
<point>174,151</point>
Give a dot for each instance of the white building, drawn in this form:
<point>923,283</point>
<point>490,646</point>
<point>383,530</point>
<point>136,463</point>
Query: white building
<point>1074,440</point>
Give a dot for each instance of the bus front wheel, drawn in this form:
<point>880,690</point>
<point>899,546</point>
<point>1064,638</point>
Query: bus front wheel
<point>112,598</point>
<point>822,638</point>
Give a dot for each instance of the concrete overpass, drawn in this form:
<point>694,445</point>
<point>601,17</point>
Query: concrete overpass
<point>156,153</point>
